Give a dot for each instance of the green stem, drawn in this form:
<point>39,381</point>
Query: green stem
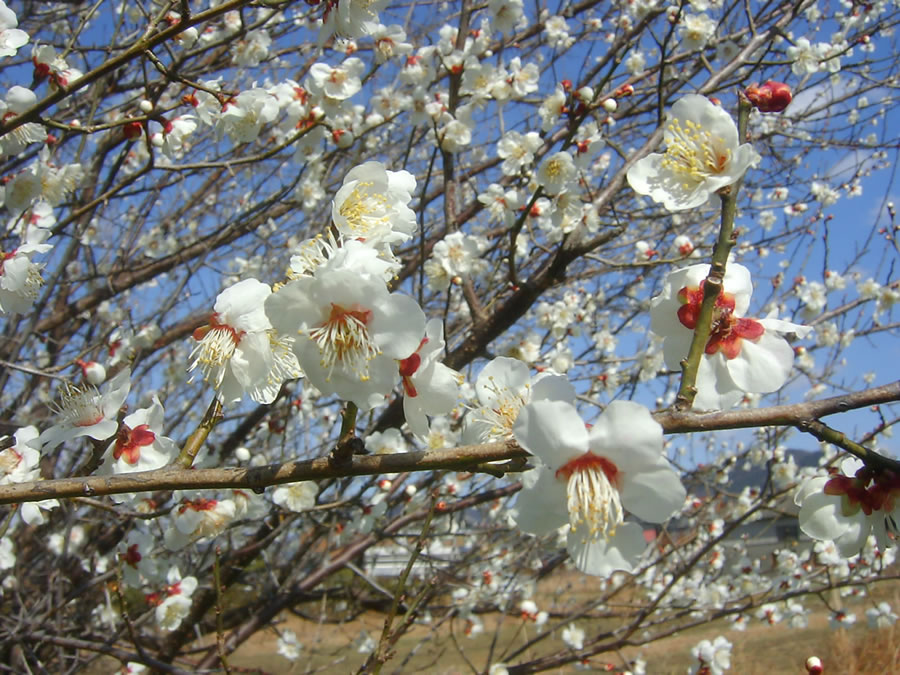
<point>687,391</point>
<point>201,433</point>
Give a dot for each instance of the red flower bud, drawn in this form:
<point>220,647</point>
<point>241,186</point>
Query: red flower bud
<point>771,97</point>
<point>132,130</point>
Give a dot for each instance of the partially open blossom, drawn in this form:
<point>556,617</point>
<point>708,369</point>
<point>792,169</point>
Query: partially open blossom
<point>429,387</point>
<point>741,355</point>
<point>770,97</point>
<point>702,155</point>
<point>590,478</point>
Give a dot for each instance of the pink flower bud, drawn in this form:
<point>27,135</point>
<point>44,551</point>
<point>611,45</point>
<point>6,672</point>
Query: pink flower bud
<point>771,97</point>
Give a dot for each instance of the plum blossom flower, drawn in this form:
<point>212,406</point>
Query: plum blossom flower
<point>337,82</point>
<point>139,444</point>
<point>173,603</point>
<point>199,518</point>
<point>373,205</point>
<point>507,15</point>
<point>714,656</point>
<point>84,411</point>
<point>590,478</point>
<point>244,116</point>
<point>296,497</point>
<point>741,355</point>
<point>517,150</point>
<point>702,156</point>
<point>239,350</point>
<point>351,18</point>
<point>288,645</point>
<point>429,387</point>
<point>350,331</point>
<point>503,387</point>
<point>20,278</point>
<point>847,506</point>
<point>556,172</point>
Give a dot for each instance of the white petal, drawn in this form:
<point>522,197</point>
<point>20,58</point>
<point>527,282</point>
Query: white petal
<point>653,495</point>
<point>503,373</point>
<point>602,558</point>
<point>551,430</point>
<point>627,435</point>
<point>821,518</point>
<point>543,508</point>
<point>762,366</point>
<point>553,388</point>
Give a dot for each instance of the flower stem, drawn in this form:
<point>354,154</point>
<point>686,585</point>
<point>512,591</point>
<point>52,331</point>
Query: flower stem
<point>198,438</point>
<point>687,391</point>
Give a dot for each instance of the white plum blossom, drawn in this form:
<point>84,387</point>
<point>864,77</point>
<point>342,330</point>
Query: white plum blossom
<point>139,444</point>
<point>244,116</point>
<point>503,387</point>
<point>373,205</point>
<point>390,41</point>
<point>174,602</point>
<point>741,355</point>
<point>196,519</point>
<point>556,172</point>
<point>84,411</point>
<point>517,150</point>
<point>296,497</point>
<point>590,478</point>
<point>846,507</point>
<point>351,18</point>
<point>429,387</point>
<point>239,351</point>
<point>455,256</point>
<point>573,636</point>
<point>696,30</point>
<point>881,616</point>
<point>288,645</point>
<point>350,331</point>
<point>20,278</point>
<point>337,82</point>
<point>702,156</point>
<point>714,656</point>
<point>507,16</point>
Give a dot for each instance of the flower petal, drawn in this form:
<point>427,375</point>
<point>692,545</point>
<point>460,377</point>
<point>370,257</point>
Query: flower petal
<point>552,431</point>
<point>602,558</point>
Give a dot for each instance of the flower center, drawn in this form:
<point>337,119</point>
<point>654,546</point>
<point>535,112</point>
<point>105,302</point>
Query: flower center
<point>726,330</point>
<point>365,210</point>
<point>691,152</point>
<point>132,556</point>
<point>80,406</point>
<point>217,342</point>
<point>344,337</point>
<point>593,495</point>
<point>9,460</point>
<point>130,441</point>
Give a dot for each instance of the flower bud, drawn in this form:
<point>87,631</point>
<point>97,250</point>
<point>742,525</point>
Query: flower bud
<point>146,106</point>
<point>814,665</point>
<point>610,105</point>
<point>771,97</point>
